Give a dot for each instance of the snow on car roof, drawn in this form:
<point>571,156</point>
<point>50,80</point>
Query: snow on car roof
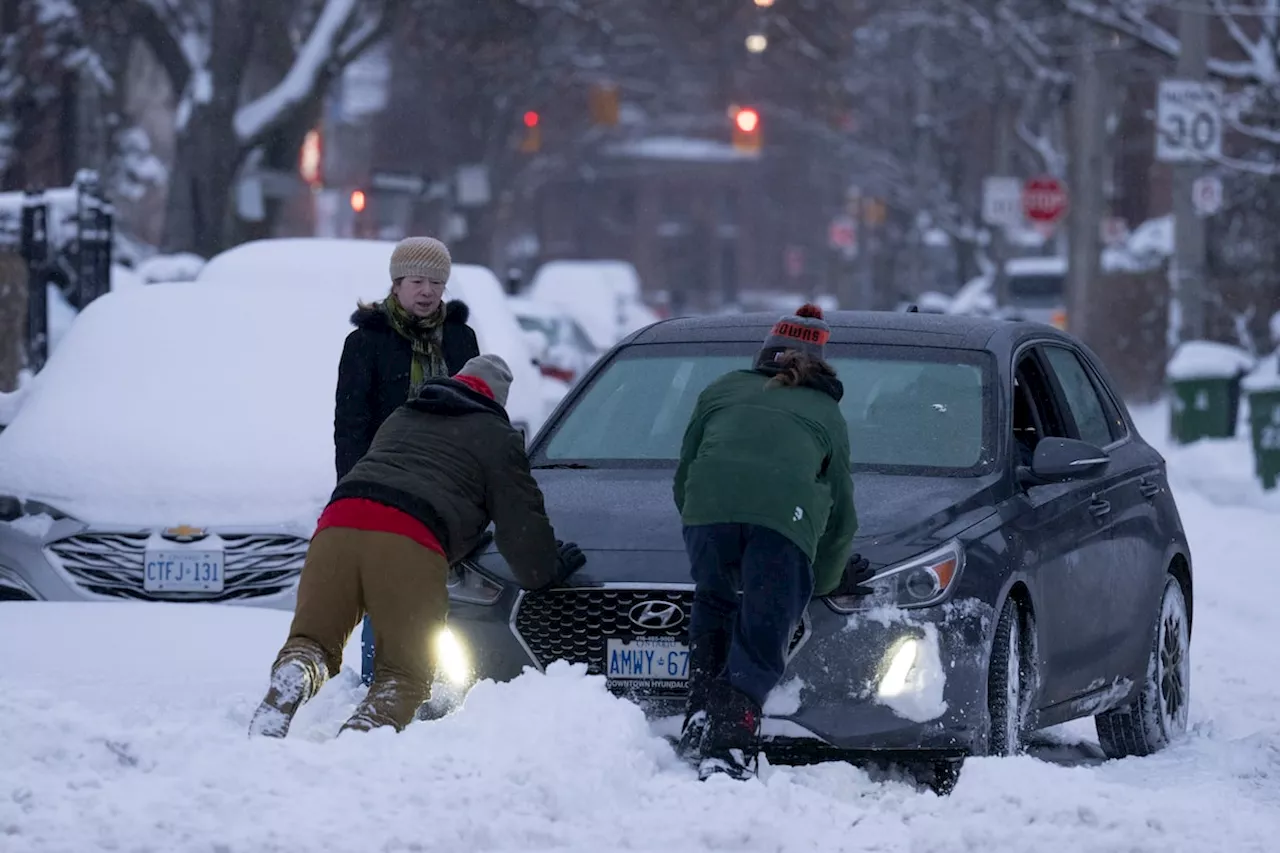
<point>184,404</point>
<point>360,270</point>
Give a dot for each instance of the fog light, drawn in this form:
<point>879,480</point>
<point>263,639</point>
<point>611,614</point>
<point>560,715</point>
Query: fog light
<point>902,659</point>
<point>452,660</point>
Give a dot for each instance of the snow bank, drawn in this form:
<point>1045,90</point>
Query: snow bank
<point>184,403</point>
<point>1208,360</point>
<point>11,401</point>
<point>150,753</point>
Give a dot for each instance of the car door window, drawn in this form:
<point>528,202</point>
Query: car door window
<point>1087,410</point>
<point>1035,414</point>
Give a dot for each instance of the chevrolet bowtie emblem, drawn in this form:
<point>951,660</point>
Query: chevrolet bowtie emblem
<point>184,533</point>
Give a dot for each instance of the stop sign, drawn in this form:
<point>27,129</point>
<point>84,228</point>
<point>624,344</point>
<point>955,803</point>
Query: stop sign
<point>1044,199</point>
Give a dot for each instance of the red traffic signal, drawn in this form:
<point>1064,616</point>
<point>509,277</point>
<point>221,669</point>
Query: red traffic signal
<point>531,119</point>
<point>747,120</point>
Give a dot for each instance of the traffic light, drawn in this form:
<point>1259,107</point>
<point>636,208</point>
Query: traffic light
<point>746,130</point>
<point>358,201</point>
<point>532,141</point>
<point>603,102</point>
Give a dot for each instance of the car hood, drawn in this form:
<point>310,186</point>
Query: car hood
<point>634,511</point>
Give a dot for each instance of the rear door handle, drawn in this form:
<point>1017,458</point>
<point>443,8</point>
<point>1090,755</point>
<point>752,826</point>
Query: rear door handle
<point>1148,488</point>
<point>1099,508</point>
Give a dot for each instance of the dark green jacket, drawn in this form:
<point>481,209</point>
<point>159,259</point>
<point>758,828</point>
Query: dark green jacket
<point>451,458</point>
<point>776,457</point>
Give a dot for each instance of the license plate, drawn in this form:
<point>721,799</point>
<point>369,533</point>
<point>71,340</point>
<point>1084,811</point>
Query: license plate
<point>651,660</point>
<point>183,571</point>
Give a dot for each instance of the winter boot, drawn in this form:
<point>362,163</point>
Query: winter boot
<point>731,744</point>
<point>292,683</point>
<point>706,659</point>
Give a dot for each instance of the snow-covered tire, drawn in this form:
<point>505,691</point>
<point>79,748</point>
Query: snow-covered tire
<point>1010,678</point>
<point>1159,714</point>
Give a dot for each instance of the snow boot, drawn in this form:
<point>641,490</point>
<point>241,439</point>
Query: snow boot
<point>292,683</point>
<point>731,744</point>
<point>707,655</point>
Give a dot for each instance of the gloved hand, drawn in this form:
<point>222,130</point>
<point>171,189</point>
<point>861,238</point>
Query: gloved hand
<point>856,576</point>
<point>571,559</point>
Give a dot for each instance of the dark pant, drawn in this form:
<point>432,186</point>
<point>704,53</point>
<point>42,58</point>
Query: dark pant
<point>744,640</point>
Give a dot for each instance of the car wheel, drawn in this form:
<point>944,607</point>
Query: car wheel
<point>1008,684</point>
<point>1159,714</point>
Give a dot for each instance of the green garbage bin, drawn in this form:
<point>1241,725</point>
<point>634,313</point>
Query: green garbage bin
<point>1263,388</point>
<point>1205,380</point>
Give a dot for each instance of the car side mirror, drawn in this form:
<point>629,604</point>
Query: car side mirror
<point>1060,460</point>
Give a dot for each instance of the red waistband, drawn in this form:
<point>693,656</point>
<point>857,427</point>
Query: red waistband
<point>364,514</point>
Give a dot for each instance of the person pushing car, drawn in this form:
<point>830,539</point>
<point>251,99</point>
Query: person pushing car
<point>440,468</point>
<point>766,499</point>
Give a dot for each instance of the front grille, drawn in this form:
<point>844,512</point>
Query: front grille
<point>111,564</point>
<point>575,625</point>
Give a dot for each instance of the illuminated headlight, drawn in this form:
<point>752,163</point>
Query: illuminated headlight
<point>902,659</point>
<point>468,585</point>
<point>919,582</point>
<point>452,660</point>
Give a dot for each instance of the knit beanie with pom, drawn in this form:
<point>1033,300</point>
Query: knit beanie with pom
<point>424,257</point>
<point>804,331</point>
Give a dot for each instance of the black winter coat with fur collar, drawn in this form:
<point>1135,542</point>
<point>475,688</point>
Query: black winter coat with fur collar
<point>373,375</point>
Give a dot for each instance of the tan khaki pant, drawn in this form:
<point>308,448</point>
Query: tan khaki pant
<point>402,586</point>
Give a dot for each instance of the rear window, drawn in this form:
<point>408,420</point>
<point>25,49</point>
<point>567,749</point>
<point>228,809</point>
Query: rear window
<point>921,410</point>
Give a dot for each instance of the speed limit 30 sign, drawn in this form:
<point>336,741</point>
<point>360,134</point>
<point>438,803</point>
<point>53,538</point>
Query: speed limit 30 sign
<point>1188,121</point>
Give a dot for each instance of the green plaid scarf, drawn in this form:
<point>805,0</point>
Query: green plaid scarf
<point>426,334</point>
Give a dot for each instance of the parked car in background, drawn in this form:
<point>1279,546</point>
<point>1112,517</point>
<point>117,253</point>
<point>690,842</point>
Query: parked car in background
<point>604,296</point>
<point>178,446</point>
<point>1037,289</point>
<point>358,270</point>
<point>1031,566</point>
<point>564,350</point>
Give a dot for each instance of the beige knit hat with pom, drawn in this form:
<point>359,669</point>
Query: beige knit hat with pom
<point>425,257</point>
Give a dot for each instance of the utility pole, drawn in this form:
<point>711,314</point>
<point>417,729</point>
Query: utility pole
<point>1189,230</point>
<point>924,175</point>
<point>1085,164</point>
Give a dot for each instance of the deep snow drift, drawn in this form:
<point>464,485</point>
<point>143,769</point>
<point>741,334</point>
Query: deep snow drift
<point>122,728</point>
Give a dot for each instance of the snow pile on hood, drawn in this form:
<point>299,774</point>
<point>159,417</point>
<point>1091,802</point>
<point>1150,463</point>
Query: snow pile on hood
<point>1208,360</point>
<point>141,755</point>
<point>184,403</point>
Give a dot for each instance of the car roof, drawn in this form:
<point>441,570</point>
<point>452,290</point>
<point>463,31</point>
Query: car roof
<point>873,327</point>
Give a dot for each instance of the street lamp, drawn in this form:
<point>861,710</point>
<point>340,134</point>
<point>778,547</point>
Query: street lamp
<point>764,4</point>
<point>756,43</point>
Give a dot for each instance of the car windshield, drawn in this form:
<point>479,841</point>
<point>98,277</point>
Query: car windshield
<point>910,409</point>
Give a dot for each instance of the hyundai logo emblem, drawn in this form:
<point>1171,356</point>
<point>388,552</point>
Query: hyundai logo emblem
<point>656,614</point>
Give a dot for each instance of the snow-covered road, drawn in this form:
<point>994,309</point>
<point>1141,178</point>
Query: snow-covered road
<point>122,728</point>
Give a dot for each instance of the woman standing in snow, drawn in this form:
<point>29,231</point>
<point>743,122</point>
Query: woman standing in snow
<point>766,498</point>
<point>411,336</point>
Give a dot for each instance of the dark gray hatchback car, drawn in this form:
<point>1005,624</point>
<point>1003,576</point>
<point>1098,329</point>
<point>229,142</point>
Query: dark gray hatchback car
<point>1032,565</point>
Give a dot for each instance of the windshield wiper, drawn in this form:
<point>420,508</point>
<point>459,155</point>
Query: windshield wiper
<point>577,466</point>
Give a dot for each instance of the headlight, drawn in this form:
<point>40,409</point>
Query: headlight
<point>452,660</point>
<point>468,584</point>
<point>919,582</point>
<point>11,509</point>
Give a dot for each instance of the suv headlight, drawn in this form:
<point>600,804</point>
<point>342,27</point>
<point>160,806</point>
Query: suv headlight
<point>469,585</point>
<point>919,582</point>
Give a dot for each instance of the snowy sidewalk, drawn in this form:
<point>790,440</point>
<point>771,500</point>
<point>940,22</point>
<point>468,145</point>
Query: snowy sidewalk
<point>122,728</point>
